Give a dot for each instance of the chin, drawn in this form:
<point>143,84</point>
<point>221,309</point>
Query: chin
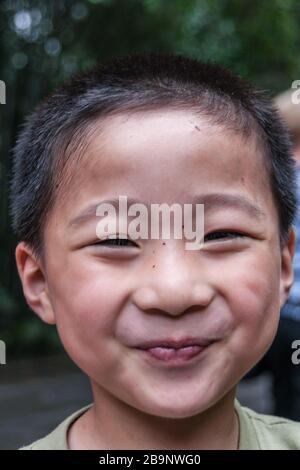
<point>177,410</point>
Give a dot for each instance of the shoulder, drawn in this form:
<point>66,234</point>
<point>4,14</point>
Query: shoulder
<point>57,439</point>
<point>265,432</point>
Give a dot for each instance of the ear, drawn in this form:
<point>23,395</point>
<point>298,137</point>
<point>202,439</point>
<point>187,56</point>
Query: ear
<point>287,271</point>
<point>34,283</point>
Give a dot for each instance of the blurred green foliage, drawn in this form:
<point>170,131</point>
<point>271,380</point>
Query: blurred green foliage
<point>43,43</point>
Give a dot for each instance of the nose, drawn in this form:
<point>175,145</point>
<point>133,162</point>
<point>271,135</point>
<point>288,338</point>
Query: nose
<point>174,285</point>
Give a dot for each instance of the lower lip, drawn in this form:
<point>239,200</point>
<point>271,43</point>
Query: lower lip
<point>170,356</point>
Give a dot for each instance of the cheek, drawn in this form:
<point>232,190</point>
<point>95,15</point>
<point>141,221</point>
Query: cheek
<point>254,301</point>
<point>86,305</point>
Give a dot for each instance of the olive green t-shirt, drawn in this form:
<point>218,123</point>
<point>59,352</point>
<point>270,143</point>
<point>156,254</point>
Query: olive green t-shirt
<point>257,432</point>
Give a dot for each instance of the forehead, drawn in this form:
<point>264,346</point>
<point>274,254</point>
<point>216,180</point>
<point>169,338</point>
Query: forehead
<point>169,140</point>
<point>168,156</point>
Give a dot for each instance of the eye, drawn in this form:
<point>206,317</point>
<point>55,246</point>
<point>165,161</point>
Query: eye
<point>223,234</point>
<point>116,242</point>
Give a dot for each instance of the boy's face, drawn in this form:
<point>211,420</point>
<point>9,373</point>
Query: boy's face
<point>107,300</point>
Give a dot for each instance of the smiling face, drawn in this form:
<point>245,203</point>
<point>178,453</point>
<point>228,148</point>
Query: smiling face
<point>107,300</point>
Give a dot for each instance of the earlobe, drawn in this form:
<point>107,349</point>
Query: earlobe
<point>34,283</point>
<point>287,271</point>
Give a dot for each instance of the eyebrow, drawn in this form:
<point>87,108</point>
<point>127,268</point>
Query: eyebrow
<point>211,202</point>
<point>236,201</point>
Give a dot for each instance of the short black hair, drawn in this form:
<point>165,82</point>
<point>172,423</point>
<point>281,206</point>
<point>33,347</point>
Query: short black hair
<point>50,137</point>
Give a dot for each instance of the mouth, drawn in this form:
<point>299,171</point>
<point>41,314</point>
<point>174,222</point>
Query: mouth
<point>172,352</point>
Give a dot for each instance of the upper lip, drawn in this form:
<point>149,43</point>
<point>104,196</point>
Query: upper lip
<point>172,343</point>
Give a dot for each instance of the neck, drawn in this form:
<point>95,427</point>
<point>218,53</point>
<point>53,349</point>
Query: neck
<point>112,424</point>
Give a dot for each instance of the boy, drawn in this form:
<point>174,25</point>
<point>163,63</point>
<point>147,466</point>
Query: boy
<point>163,333</point>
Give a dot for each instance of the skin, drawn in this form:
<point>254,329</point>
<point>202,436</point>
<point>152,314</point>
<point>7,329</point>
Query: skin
<point>297,155</point>
<point>105,299</point>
